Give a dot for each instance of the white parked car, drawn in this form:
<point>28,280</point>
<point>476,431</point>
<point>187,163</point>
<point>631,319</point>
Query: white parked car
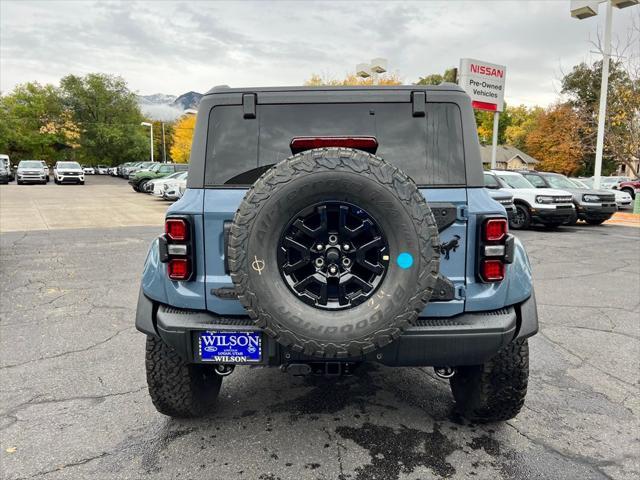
<point>88,170</point>
<point>68,172</point>
<point>156,187</point>
<point>548,206</point>
<point>623,199</point>
<point>174,189</point>
<point>6,163</point>
<point>102,169</point>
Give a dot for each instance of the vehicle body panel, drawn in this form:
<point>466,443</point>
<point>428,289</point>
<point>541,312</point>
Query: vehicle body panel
<point>209,207</point>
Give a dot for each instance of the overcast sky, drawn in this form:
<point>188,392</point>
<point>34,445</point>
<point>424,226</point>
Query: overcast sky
<point>174,47</point>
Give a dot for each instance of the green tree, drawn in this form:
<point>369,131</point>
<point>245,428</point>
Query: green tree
<point>582,87</point>
<point>109,117</point>
<point>34,124</point>
<point>522,120</point>
<point>449,75</point>
<point>484,124</point>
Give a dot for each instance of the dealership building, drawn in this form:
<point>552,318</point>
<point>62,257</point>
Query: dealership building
<point>507,158</point>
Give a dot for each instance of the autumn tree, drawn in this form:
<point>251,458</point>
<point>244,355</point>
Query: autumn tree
<point>555,140</point>
<point>182,138</point>
<point>484,124</point>
<point>353,80</point>
<point>522,120</point>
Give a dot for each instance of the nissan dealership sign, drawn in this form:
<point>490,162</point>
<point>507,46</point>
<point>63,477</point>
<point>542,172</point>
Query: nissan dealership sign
<point>484,82</point>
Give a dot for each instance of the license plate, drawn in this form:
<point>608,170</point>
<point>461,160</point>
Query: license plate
<point>230,347</point>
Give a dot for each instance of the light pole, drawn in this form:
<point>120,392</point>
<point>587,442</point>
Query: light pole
<point>164,146</point>
<point>147,124</point>
<point>582,9</point>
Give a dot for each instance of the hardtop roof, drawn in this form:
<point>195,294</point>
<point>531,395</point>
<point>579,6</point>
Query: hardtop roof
<point>443,87</point>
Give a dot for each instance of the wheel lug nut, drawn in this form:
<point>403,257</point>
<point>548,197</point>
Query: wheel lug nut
<point>346,247</point>
<point>319,247</point>
<point>346,262</point>
<point>333,269</point>
<point>319,262</point>
<point>333,239</point>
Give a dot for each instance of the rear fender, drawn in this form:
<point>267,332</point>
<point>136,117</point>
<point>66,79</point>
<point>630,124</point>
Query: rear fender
<point>156,284</point>
<point>517,286</point>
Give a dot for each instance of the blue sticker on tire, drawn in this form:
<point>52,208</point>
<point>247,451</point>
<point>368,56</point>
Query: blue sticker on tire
<point>230,347</point>
<point>405,260</point>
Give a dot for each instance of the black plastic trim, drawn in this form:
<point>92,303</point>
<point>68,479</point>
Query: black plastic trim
<point>445,214</point>
<point>226,231</point>
<point>249,105</point>
<point>444,290</point>
<point>419,104</point>
<point>466,339</point>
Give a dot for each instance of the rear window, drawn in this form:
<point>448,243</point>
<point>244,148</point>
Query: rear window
<point>429,149</point>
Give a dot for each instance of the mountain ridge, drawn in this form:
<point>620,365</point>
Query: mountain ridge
<point>167,107</point>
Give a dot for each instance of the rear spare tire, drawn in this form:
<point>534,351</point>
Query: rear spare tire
<point>334,252</point>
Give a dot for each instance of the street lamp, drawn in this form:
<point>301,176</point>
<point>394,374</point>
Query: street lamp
<point>582,9</point>
<point>373,69</point>
<point>147,124</point>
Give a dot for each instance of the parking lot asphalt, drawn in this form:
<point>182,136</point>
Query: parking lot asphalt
<point>74,402</point>
<point>102,202</point>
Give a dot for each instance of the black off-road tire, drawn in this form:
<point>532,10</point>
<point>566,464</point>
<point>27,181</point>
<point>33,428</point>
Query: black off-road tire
<point>630,191</point>
<point>495,391</point>
<point>344,175</point>
<point>521,219</point>
<point>594,221</point>
<point>179,389</point>
<point>573,221</point>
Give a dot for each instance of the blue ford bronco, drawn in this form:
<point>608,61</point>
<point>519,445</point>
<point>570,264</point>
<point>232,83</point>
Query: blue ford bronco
<point>326,227</point>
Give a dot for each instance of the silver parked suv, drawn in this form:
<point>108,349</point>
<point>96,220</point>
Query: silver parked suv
<point>31,171</point>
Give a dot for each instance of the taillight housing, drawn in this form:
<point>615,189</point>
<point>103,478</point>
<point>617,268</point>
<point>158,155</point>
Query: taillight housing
<point>176,229</point>
<point>179,269</point>
<point>495,248</point>
<point>177,249</point>
<point>300,144</point>
<point>492,270</point>
<point>495,229</point>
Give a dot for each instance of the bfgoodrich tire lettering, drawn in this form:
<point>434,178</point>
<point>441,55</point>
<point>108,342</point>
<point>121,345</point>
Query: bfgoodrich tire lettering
<point>179,389</point>
<point>343,175</point>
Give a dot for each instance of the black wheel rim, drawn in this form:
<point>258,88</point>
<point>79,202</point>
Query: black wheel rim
<point>333,255</point>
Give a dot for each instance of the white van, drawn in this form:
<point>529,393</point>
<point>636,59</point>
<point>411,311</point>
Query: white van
<point>7,163</point>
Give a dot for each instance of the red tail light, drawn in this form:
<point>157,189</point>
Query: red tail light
<point>300,144</point>
<point>176,248</point>
<point>178,269</point>
<point>492,270</point>
<point>176,229</point>
<point>495,248</point>
<point>495,229</point>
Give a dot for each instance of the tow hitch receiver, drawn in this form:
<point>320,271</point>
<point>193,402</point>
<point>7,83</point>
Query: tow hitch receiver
<point>327,369</point>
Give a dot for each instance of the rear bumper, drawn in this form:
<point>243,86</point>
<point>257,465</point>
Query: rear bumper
<point>467,339</point>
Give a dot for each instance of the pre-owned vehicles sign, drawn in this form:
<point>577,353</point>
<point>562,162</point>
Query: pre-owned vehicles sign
<point>484,82</point>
